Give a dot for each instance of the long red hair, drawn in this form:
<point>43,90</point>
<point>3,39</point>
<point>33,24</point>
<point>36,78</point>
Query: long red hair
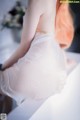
<point>64,27</point>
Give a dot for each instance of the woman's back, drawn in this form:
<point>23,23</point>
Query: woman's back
<point>47,19</point>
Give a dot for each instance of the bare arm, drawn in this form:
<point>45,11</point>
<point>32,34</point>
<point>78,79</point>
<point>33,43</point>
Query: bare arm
<point>30,23</point>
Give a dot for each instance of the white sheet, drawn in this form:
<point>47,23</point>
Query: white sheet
<point>63,106</point>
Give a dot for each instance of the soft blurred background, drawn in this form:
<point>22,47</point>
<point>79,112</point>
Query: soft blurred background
<point>75,47</point>
<point>11,19</point>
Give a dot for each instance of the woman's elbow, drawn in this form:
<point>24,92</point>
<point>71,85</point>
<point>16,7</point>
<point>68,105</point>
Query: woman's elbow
<point>25,46</point>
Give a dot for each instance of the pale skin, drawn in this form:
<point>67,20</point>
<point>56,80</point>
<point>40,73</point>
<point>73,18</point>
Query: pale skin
<point>38,17</point>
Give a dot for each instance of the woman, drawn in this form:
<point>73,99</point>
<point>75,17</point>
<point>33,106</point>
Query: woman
<point>37,69</point>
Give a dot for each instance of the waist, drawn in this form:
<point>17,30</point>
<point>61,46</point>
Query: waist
<point>44,33</point>
<point>41,37</point>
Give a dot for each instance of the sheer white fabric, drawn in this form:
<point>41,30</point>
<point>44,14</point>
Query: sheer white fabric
<point>39,74</point>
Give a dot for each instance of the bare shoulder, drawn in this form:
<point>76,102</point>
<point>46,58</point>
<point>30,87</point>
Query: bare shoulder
<point>40,2</point>
<point>41,6</point>
<point>36,4</point>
